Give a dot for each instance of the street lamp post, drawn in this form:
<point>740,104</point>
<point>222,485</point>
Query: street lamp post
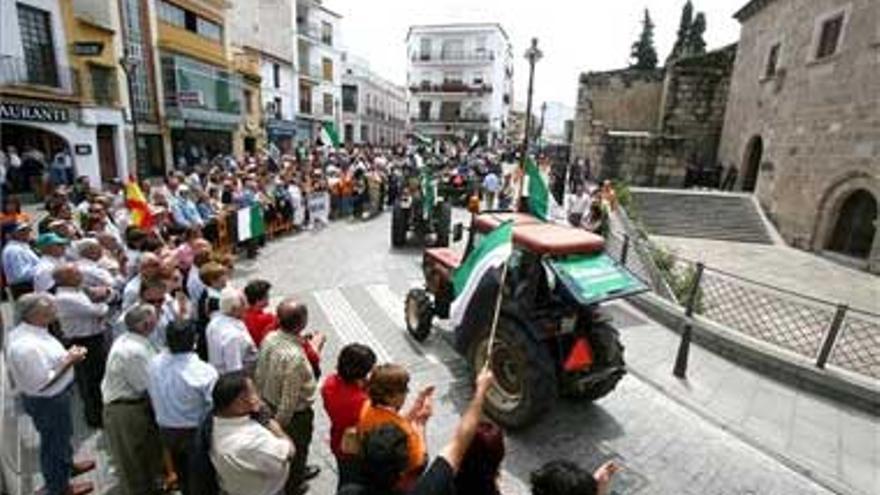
<point>129,66</point>
<point>533,54</point>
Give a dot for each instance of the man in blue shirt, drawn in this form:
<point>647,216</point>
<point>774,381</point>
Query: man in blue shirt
<point>184,209</point>
<point>19,260</point>
<point>180,387</point>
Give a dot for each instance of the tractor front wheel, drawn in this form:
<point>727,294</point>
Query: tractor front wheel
<point>419,314</point>
<point>399,226</point>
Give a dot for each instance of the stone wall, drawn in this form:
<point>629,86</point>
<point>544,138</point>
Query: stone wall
<point>818,120</point>
<point>649,126</point>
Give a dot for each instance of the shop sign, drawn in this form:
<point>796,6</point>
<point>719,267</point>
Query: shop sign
<point>88,48</point>
<point>38,113</point>
<point>192,98</point>
<point>82,149</point>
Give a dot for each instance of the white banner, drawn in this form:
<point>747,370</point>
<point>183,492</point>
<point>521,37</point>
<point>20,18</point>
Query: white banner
<point>319,207</point>
<point>243,218</point>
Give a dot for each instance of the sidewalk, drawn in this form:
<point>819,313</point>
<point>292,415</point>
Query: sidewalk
<point>829,442</point>
<point>783,266</point>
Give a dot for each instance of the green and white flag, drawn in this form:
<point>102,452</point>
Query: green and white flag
<point>429,192</point>
<point>542,204</point>
<point>492,251</point>
<point>329,135</point>
<point>422,139</point>
<point>250,223</point>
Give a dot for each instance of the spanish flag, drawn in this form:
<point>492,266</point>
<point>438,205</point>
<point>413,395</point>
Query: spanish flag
<point>137,204</point>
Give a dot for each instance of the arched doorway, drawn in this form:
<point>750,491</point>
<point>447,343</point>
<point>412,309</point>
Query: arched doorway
<point>855,228</point>
<point>752,163</point>
<point>36,147</point>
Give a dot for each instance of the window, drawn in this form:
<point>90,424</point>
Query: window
<point>452,77</point>
<point>506,99</point>
<point>424,111</point>
<point>348,132</point>
<point>39,49</point>
<point>425,49</point>
<point>772,61</point>
<point>365,134</point>
<point>478,79</point>
<point>829,36</point>
<point>276,75</point>
<point>209,29</point>
<point>103,84</point>
<point>327,68</point>
<point>278,111</point>
<point>247,96</point>
<point>450,111</point>
<point>326,33</point>
<point>349,98</point>
<point>452,50</point>
<point>172,14</point>
<point>328,104</point>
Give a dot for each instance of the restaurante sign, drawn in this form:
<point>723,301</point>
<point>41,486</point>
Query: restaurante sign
<point>39,113</point>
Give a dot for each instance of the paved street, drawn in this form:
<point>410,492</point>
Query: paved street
<point>354,285</point>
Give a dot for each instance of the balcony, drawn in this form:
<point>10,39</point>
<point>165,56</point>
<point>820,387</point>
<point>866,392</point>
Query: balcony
<point>452,88</point>
<point>473,118</point>
<point>311,71</point>
<point>453,57</point>
<point>311,31</point>
<point>58,80</point>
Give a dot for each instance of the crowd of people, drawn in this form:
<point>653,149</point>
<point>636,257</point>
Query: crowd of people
<point>195,383</point>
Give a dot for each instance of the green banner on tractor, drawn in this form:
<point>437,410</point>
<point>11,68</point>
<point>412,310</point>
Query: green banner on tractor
<point>595,278</point>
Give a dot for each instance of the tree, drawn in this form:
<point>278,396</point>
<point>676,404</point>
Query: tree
<point>643,52</point>
<point>684,28</point>
<point>696,44</point>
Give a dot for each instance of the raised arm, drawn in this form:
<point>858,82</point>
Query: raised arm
<point>454,451</point>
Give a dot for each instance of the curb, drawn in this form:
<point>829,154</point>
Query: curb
<point>833,383</point>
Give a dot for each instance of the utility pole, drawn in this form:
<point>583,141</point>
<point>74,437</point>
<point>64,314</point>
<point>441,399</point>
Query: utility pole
<point>129,64</point>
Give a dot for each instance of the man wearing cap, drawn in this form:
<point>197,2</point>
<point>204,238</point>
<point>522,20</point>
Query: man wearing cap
<point>82,324</point>
<point>19,260</point>
<point>52,246</point>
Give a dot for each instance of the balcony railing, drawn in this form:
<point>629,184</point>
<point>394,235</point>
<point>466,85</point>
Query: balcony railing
<point>454,56</point>
<point>312,71</point>
<point>452,87</point>
<point>15,72</point>
<point>460,119</point>
<point>313,32</point>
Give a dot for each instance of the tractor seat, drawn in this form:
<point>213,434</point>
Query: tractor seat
<point>444,256</point>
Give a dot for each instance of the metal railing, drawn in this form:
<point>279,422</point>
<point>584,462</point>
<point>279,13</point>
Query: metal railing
<point>17,72</point>
<point>463,119</point>
<point>454,56</point>
<point>822,331</point>
<point>452,87</point>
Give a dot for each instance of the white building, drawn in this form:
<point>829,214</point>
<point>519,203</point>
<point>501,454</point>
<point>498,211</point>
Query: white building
<point>460,80</point>
<point>60,92</point>
<point>555,115</point>
<point>319,62</point>
<point>267,27</point>
<point>373,108</point>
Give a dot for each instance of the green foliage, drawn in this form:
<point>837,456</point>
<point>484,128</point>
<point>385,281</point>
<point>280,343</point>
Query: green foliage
<point>684,27</point>
<point>624,196</point>
<point>643,53</point>
<point>691,29</point>
<point>696,44</point>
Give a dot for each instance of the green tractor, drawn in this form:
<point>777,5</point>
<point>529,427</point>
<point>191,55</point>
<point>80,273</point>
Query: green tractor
<point>420,213</point>
<point>550,338</point>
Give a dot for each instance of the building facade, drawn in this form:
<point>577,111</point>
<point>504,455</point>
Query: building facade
<point>459,80</point>
<point>803,121</point>
<point>319,68</point>
<point>59,85</point>
<point>373,108</point>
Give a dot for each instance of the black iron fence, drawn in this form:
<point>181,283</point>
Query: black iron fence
<point>828,333</point>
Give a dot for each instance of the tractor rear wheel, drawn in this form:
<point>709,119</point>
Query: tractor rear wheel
<point>418,313</point>
<point>399,226</point>
<point>525,377</point>
<point>608,353</point>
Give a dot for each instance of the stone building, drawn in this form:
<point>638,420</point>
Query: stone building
<point>803,121</point>
<point>649,126</point>
<point>373,108</point>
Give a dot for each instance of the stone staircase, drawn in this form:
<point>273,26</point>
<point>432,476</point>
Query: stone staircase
<point>709,215</point>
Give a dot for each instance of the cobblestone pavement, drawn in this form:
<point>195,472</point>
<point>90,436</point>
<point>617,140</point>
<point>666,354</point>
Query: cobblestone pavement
<point>354,285</point>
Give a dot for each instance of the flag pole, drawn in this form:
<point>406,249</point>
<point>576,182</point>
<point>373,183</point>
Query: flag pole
<point>494,328</point>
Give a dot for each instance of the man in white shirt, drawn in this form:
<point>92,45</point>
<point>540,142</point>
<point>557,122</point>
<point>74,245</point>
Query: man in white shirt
<point>82,324</point>
<point>42,371</point>
<point>96,276</point>
<point>19,260</point>
<point>251,456</point>
<point>52,247</point>
<point>230,346</point>
<point>150,267</point>
<point>129,426</point>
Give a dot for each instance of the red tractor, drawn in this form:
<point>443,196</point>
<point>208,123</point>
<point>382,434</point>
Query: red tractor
<point>550,339</point>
